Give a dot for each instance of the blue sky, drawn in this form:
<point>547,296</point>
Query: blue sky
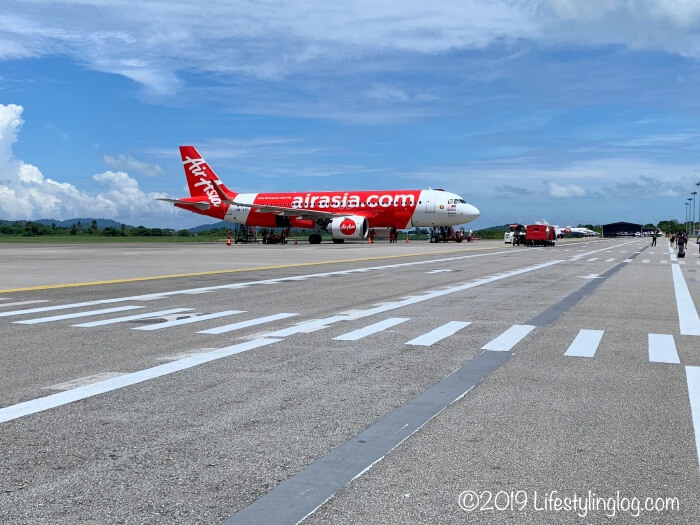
<point>573,112</point>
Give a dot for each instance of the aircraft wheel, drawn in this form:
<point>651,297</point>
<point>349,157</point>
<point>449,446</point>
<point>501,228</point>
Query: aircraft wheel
<point>314,238</point>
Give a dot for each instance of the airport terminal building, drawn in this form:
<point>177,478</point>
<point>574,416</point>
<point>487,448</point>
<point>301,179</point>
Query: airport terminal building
<point>622,229</point>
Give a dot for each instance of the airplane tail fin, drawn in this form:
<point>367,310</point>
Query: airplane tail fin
<point>201,179</point>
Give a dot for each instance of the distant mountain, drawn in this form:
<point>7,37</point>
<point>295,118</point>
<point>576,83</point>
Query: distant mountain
<point>101,223</point>
<point>215,226</point>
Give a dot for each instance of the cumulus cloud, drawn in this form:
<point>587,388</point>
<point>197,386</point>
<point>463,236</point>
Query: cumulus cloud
<point>25,193</point>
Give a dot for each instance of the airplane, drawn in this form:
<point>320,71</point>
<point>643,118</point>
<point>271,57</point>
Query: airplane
<point>344,214</point>
<point>585,232</point>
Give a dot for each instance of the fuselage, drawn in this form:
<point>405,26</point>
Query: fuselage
<point>391,208</point>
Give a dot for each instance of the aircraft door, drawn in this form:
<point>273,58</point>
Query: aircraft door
<point>429,201</point>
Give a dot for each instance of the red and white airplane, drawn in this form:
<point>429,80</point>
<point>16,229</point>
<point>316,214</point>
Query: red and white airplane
<point>343,214</point>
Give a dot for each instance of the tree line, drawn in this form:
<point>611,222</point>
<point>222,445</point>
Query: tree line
<point>37,229</point>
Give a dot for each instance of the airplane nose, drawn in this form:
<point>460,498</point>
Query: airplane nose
<point>471,212</point>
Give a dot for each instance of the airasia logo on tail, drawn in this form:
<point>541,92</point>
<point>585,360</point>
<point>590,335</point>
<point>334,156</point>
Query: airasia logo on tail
<point>197,167</point>
<point>348,227</point>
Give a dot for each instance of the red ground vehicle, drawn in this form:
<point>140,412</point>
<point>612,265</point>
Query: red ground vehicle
<point>537,235</point>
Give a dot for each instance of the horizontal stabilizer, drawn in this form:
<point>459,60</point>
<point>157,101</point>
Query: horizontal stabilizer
<point>200,205</point>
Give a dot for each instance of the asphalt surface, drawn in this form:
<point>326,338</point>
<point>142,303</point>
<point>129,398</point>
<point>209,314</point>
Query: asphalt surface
<point>350,383</point>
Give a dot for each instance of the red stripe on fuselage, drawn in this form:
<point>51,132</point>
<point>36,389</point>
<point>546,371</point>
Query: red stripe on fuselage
<point>382,208</point>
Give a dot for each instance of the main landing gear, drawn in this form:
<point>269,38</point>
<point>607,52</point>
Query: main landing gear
<point>315,238</point>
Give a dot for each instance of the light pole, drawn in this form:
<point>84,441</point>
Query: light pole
<point>692,228</point>
<point>687,205</point>
<point>698,185</point>
<point>690,207</point>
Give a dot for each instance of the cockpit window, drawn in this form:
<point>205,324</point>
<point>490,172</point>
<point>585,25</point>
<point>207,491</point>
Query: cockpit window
<point>450,201</point>
<point>461,200</point>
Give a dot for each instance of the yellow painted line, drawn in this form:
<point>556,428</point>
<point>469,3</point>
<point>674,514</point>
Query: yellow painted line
<point>236,270</point>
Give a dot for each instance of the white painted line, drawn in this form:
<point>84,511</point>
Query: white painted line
<point>591,276</point>
<point>662,349</point>
<point>438,334</point>
<point>585,344</point>
<point>687,314</point>
<point>189,320</point>
<point>681,263</point>
<point>593,259</point>
<point>610,260</point>
<point>22,303</point>
<point>62,398</point>
<point>646,261</point>
<point>246,324</point>
<point>438,271</point>
<point>308,327</point>
<point>693,377</point>
<point>509,338</point>
<point>78,314</point>
<point>62,307</point>
<point>132,317</point>
<point>628,260</point>
<point>664,261</point>
<point>371,329</point>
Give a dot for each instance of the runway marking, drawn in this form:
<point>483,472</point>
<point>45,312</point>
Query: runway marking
<point>30,407</point>
<point>585,344</point>
<point>582,255</point>
<point>164,295</point>
<point>438,334</point>
<point>610,260</point>
<point>646,261</point>
<point>687,314</point>
<point>127,318</point>
<point>593,259</point>
<point>195,319</point>
<point>22,303</point>
<point>63,307</point>
<point>664,261</point>
<point>55,400</point>
<point>627,260</point>
<point>662,349</point>
<point>256,269</point>
<point>246,324</point>
<point>308,326</point>
<point>78,314</point>
<point>508,339</point>
<point>438,271</point>
<point>693,378</point>
<point>371,329</point>
<point>298,497</point>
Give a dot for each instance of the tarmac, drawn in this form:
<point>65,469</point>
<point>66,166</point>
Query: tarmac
<point>354,383</point>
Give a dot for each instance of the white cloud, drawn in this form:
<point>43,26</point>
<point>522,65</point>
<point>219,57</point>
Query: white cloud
<point>154,43</point>
<point>25,193</point>
<point>569,191</point>
<point>127,162</point>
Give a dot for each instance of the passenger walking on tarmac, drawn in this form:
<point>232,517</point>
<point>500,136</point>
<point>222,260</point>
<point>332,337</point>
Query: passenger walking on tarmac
<point>654,235</point>
<point>681,241</point>
<point>264,235</point>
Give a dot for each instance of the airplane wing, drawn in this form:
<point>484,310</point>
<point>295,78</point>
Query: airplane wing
<point>283,211</point>
<point>303,213</point>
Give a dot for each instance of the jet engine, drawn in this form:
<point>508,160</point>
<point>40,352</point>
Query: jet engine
<point>352,227</point>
